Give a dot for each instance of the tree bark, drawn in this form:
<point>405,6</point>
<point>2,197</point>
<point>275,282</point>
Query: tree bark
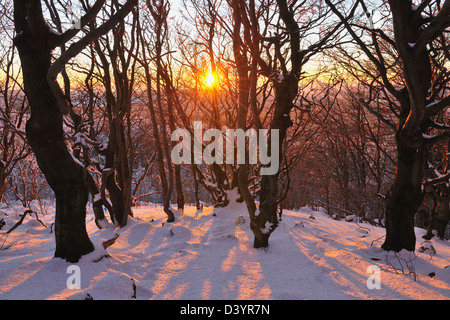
<point>404,199</point>
<point>196,195</point>
<point>3,177</point>
<point>405,195</point>
<point>177,167</point>
<point>285,93</point>
<point>441,215</point>
<point>113,161</point>
<point>45,133</point>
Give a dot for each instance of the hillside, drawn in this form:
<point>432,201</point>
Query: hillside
<point>208,254</point>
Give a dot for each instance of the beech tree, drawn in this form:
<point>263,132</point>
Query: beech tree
<point>35,42</point>
<point>77,135</point>
<point>437,187</point>
<point>117,70</point>
<point>13,111</point>
<point>207,51</point>
<point>414,85</point>
<point>280,57</point>
<point>152,33</point>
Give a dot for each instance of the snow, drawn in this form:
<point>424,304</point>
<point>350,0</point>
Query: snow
<point>278,77</point>
<point>427,136</point>
<point>80,138</point>
<point>53,31</point>
<point>97,197</point>
<point>205,254</point>
<point>267,227</point>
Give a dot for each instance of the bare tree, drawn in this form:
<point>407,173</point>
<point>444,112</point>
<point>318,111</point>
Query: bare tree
<point>437,186</point>
<point>414,36</point>
<point>285,58</point>
<point>210,44</point>
<point>78,135</point>
<point>14,111</point>
<point>35,41</point>
<point>117,73</point>
<point>158,88</point>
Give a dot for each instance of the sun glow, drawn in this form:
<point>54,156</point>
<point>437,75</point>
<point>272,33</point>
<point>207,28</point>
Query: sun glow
<point>210,79</point>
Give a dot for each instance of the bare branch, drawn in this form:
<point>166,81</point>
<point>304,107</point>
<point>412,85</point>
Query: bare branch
<point>437,106</point>
<point>436,181</point>
<point>88,17</point>
<point>76,48</point>
<point>443,137</point>
<point>432,31</point>
<point>377,114</point>
<point>380,67</point>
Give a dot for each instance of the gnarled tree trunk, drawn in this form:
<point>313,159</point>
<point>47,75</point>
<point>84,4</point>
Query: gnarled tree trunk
<point>45,133</point>
<point>404,199</point>
<point>44,130</point>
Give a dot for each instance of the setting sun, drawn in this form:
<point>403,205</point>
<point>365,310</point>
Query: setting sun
<point>210,79</point>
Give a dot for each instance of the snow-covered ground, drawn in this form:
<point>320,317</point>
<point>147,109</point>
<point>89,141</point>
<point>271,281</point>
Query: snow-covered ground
<point>208,254</point>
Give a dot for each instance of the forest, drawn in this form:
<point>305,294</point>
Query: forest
<point>357,92</point>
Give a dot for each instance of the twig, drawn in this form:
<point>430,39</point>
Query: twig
<point>361,226</point>
<point>37,218</point>
<point>29,211</point>
<point>409,266</point>
<point>377,239</point>
<point>20,221</point>
<point>110,242</point>
<point>1,248</point>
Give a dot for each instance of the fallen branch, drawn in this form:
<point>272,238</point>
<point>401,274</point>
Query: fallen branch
<point>23,217</point>
<point>377,239</point>
<point>3,244</point>
<point>110,242</point>
<point>37,218</point>
<point>20,221</point>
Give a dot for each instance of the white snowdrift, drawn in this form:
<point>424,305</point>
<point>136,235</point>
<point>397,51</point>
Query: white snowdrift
<point>208,254</point>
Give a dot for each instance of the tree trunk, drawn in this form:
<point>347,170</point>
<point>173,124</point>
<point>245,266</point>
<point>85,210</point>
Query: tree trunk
<point>196,195</point>
<point>71,237</point>
<point>440,215</point>
<point>3,177</point>
<point>406,196</point>
<point>404,199</point>
<point>267,220</point>
<point>45,133</point>
<point>160,157</point>
<point>112,162</point>
<point>177,168</point>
